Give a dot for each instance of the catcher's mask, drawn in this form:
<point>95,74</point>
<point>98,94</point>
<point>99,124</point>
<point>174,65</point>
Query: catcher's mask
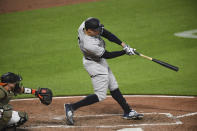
<point>10,77</point>
<point>94,24</point>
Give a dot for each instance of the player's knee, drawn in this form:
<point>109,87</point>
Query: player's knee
<point>114,88</point>
<point>23,117</point>
<point>5,115</point>
<point>101,96</point>
<point>17,119</point>
<point>101,84</point>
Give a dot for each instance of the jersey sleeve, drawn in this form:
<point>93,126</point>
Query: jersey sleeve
<point>111,37</point>
<point>114,54</point>
<point>92,46</point>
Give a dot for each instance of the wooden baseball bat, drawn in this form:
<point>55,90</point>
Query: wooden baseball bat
<point>174,68</point>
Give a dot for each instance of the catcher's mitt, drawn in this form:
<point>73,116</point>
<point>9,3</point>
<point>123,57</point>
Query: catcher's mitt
<point>45,95</point>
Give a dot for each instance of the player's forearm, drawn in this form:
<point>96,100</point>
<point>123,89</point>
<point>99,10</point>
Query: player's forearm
<point>110,55</point>
<point>111,37</point>
<point>26,90</point>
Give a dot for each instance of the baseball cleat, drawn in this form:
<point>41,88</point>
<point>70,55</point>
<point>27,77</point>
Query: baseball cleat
<point>69,114</point>
<point>133,115</point>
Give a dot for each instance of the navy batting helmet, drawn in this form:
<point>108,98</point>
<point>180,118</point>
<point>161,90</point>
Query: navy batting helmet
<point>94,24</point>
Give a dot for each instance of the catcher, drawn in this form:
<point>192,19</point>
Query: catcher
<point>10,85</point>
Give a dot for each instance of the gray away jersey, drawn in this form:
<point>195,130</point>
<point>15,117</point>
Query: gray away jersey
<point>92,47</point>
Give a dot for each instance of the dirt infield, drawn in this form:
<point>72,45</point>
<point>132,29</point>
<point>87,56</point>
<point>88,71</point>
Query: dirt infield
<point>22,5</point>
<point>161,113</point>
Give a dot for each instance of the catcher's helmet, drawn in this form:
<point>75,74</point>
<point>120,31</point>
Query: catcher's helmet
<point>94,24</point>
<point>10,77</point>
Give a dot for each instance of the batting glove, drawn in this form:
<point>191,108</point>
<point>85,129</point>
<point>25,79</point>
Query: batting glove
<point>129,50</point>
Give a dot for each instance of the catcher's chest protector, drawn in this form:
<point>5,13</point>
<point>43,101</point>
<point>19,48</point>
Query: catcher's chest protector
<point>5,96</point>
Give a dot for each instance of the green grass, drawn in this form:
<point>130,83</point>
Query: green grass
<point>42,46</point>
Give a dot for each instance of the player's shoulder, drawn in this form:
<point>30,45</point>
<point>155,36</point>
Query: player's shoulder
<point>82,26</point>
<point>2,92</point>
<point>2,89</point>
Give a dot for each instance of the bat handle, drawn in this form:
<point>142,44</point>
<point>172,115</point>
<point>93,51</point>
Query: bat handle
<point>146,57</point>
<point>137,53</point>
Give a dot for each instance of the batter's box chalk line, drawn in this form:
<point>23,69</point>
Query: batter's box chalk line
<point>71,97</point>
<point>186,115</point>
<point>168,115</point>
<point>131,129</point>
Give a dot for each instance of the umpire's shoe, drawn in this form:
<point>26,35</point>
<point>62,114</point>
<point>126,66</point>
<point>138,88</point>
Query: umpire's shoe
<point>69,114</point>
<point>133,115</point>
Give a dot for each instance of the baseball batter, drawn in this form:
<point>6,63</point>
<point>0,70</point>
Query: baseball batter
<point>92,45</point>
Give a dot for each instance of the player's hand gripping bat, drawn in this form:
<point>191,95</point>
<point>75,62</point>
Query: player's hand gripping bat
<point>174,68</point>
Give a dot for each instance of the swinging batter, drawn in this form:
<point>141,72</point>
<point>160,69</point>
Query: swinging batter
<point>94,61</point>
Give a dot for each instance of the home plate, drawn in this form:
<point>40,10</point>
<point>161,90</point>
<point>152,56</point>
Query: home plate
<point>131,129</point>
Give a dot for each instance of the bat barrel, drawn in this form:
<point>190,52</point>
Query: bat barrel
<point>166,65</point>
<point>158,62</point>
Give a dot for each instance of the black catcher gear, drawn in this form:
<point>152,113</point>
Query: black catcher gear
<point>45,95</point>
<point>10,78</point>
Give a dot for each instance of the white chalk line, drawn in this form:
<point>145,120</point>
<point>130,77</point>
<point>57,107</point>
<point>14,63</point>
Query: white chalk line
<point>187,34</point>
<point>130,129</point>
<point>169,115</point>
<point>105,126</point>
<point>62,117</point>
<point>186,115</point>
<point>71,97</point>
